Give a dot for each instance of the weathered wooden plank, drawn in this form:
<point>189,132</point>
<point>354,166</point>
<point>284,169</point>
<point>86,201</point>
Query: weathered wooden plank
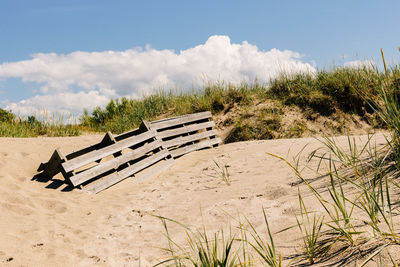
<point>42,166</point>
<point>190,138</point>
<point>181,116</point>
<point>106,151</point>
<point>145,125</point>
<point>161,166</point>
<point>103,183</point>
<point>53,166</point>
<point>117,177</point>
<point>128,134</point>
<point>82,151</point>
<point>185,129</point>
<point>128,171</point>
<point>155,125</point>
<point>186,149</point>
<point>107,140</point>
<point>113,163</point>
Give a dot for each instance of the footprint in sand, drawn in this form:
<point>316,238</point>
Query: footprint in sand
<point>275,192</point>
<point>23,154</point>
<point>13,187</point>
<point>54,206</point>
<point>21,178</point>
<point>16,209</point>
<point>38,245</point>
<point>290,211</point>
<point>95,259</point>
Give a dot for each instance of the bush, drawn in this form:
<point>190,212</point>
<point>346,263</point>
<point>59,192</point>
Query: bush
<point>327,91</point>
<point>6,116</point>
<point>264,125</point>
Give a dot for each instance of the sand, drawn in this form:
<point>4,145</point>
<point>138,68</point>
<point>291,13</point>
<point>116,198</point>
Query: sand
<point>43,223</point>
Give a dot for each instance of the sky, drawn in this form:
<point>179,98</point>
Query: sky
<point>67,56</point>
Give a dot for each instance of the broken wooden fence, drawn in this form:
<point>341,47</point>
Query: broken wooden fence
<point>142,152</point>
<point>99,167</point>
<point>187,133</point>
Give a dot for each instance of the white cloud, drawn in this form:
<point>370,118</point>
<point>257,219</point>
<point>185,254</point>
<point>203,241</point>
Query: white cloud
<point>64,103</point>
<point>359,64</point>
<point>101,76</point>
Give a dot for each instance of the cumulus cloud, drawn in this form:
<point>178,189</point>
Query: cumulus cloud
<point>79,80</point>
<point>64,103</point>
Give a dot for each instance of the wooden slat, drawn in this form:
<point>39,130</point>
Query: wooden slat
<point>103,183</point>
<point>128,134</point>
<point>186,129</point>
<point>161,166</point>
<point>190,138</point>
<point>83,151</point>
<point>107,140</point>
<point>182,116</point>
<point>155,125</point>
<point>53,166</point>
<point>109,150</point>
<point>42,166</point>
<point>117,177</point>
<point>186,149</point>
<point>113,163</point>
<point>144,163</point>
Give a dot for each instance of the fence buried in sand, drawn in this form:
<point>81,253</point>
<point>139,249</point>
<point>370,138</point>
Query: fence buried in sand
<point>141,153</point>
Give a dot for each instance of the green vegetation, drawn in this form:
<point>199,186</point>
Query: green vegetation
<point>311,232</point>
<point>264,123</point>
<point>329,91</point>
<point>359,198</point>
<point>252,110</point>
<point>257,111</point>
<point>12,126</point>
<point>221,250</point>
<point>370,176</point>
<point>121,115</point>
<point>223,172</point>
<point>202,249</point>
<point>6,116</point>
<point>361,184</point>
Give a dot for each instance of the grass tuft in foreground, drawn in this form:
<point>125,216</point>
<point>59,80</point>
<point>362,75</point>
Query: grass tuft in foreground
<point>220,249</point>
<point>202,249</point>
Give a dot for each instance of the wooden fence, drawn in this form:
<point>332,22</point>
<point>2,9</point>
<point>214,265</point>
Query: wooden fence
<point>142,152</point>
<point>184,134</point>
<point>53,166</point>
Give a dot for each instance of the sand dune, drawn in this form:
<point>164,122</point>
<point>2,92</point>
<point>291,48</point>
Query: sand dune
<point>43,223</point>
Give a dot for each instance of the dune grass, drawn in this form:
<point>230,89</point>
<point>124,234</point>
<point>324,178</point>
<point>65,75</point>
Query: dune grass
<point>223,172</point>
<point>13,126</point>
<point>328,93</point>
<point>362,182</point>
<point>371,172</point>
<point>124,114</point>
<point>201,249</point>
<point>325,93</point>
<point>220,249</point>
<point>370,180</point>
<point>310,228</point>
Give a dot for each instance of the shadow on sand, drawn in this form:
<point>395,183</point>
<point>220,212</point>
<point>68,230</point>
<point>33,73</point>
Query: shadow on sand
<point>52,183</point>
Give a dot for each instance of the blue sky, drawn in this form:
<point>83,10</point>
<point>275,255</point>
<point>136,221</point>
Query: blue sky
<point>323,33</point>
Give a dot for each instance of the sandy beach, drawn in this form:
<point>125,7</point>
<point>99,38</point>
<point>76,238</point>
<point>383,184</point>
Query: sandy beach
<point>45,223</point>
